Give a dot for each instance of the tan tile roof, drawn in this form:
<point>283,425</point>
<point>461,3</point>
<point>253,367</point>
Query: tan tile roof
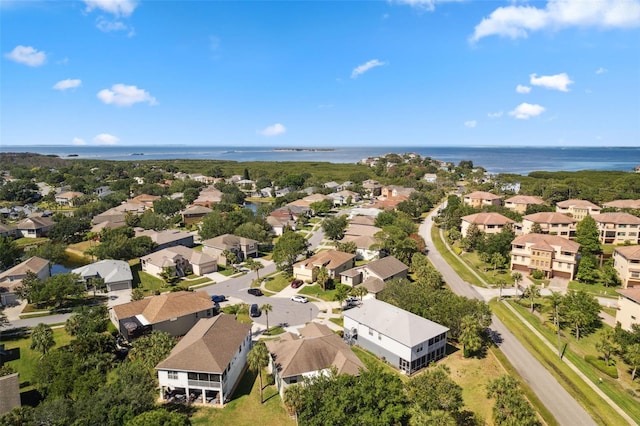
<point>145,198</point>
<point>315,329</point>
<point>482,195</point>
<point>208,347</point>
<point>167,257</point>
<point>617,218</point>
<point>623,204</point>
<point>386,267</point>
<point>363,220</point>
<point>629,252</point>
<point>316,197</point>
<point>361,241</point>
<point>166,306</point>
<point>330,259</point>
<point>227,240</point>
<point>35,222</point>
<point>577,203</point>
<point>487,219</point>
<point>197,210</point>
<point>549,217</point>
<point>70,195</point>
<point>373,285</point>
<point>307,355</point>
<point>33,264</point>
<point>546,241</point>
<point>359,230</point>
<point>632,293</point>
<point>524,199</point>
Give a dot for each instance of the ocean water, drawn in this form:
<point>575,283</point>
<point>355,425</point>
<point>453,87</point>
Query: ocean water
<point>519,160</point>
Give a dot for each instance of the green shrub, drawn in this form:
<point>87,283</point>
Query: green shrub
<point>537,274</point>
<point>457,250</point>
<point>609,370</point>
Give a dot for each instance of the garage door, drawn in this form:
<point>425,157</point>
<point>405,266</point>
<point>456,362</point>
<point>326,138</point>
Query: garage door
<point>124,285</point>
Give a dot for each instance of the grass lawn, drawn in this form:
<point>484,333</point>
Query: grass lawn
<point>147,282</point>
<point>594,289</point>
<point>245,407</point>
<point>370,360</point>
<point>277,282</point>
<point>597,408</point>
<point>28,357</point>
<point>316,291</point>
<point>274,331</point>
<point>25,242</point>
<point>201,280</point>
<point>453,260</point>
<point>489,275</point>
<point>338,321</point>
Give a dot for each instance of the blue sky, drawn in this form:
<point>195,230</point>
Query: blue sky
<point>320,73</point>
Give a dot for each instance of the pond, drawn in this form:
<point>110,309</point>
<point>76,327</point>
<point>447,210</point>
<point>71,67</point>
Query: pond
<point>69,263</point>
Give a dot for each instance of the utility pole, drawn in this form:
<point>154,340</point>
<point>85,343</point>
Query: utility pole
<point>558,332</point>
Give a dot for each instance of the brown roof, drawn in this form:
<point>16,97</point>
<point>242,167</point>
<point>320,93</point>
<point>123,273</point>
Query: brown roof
<point>363,220</point>
<point>617,218</point>
<point>163,237</point>
<point>549,217</point>
<point>577,203</point>
<point>373,285</point>
<point>315,329</point>
<point>623,204</point>
<point>482,195</point>
<point>209,346</point>
<point>386,267</point>
<point>165,306</point>
<point>227,240</point>
<point>311,354</point>
<point>330,259</point>
<point>545,241</point>
<point>33,264</point>
<point>487,219</point>
<point>359,230</point>
<point>629,252</point>
<point>167,257</point>
<point>69,195</point>
<point>197,210</point>
<point>145,198</point>
<point>361,241</point>
<point>632,293</point>
<point>524,199</point>
<point>35,222</point>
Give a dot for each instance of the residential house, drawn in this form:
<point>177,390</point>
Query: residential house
<point>489,223</point>
<point>242,247</point>
<point>394,191</point>
<point>180,260</point>
<point>430,177</point>
<point>345,197</point>
<point>208,197</point>
<point>281,219</point>
<point>145,199</point>
<point>480,199</point>
<point>34,226</point>
<point>66,198</point>
<point>167,238</point>
<point>404,340</point>
<point>375,274</point>
<point>8,230</point>
<point>103,191</point>
<point>554,255</point>
<point>316,351</point>
<point>345,185</point>
<point>618,228</point>
<point>174,313</point>
<point>628,312</point>
<point>626,261</point>
<point>550,223</point>
<point>519,203</point>
<point>194,214</point>
<point>11,279</point>
<point>578,209</point>
<point>372,187</point>
<point>623,204</point>
<point>361,231</point>
<point>115,273</point>
<point>332,260</point>
<point>206,365</point>
<point>331,185</point>
<point>281,192</point>
<point>116,216</point>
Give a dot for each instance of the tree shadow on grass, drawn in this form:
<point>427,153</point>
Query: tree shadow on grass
<point>246,384</point>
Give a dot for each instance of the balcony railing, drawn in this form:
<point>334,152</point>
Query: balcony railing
<point>204,384</point>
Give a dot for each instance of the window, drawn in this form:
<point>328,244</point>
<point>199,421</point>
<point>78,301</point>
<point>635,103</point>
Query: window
<point>172,375</point>
<point>370,331</point>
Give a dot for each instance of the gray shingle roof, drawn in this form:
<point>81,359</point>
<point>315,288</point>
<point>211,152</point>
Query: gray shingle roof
<point>110,270</point>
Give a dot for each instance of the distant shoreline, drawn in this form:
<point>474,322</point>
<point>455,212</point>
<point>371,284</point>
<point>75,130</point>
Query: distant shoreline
<point>304,149</point>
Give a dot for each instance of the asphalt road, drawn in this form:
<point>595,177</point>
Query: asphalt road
<point>558,401</point>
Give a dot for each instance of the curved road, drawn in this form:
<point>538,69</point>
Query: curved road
<point>558,401</point>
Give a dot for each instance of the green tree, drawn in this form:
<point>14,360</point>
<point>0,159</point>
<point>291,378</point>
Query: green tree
<point>536,228</point>
<point>152,220</point>
<point>10,253</point>
<point>342,292</point>
<point>231,258</point>
<point>287,249</point>
<point>266,308</point>
<point>292,398</point>
<point>69,230</point>
<point>32,288</point>
<point>167,206</point>
<point>588,269</point>
<point>497,260</point>
<point>608,275</point>
<point>346,247</point>
<point>580,310</point>
<point>334,227</point>
<point>62,286</point>
<point>555,304</point>
<point>517,279</point>
<point>435,390</point>
<point>321,208</point>
<point>254,231</point>
<point>42,338</point>
<point>607,344</point>
<point>501,283</point>
<point>88,319</point>
<point>532,292</point>
<point>254,265</point>
<point>359,291</point>
<point>323,277</point>
<point>470,335</point>
<point>137,294</point>
<point>160,417</point>
<point>511,407</point>
<point>169,275</point>
<point>632,357</point>
<point>258,359</point>
<point>588,236</point>
<point>149,350</point>
<point>53,252</point>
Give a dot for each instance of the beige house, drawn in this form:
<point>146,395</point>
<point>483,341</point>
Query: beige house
<point>489,223</point>
<point>174,313</point>
<point>551,254</point>
<point>145,199</point>
<point>316,351</point>
<point>34,226</point>
<point>618,228</point>
<point>11,279</point>
<point>578,209</point>
<point>372,187</point>
<point>623,204</point>
<point>519,203</point>
<point>66,198</point>
<point>393,191</point>
<point>626,261</point>
<point>628,307</point>
<point>479,199</point>
<point>208,197</point>
<point>241,246</point>
<point>179,259</point>
<point>550,223</point>
<point>374,274</point>
<point>194,214</point>
<point>334,261</point>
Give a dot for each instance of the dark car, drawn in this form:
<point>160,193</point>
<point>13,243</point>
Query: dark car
<point>255,291</point>
<point>296,283</point>
<point>254,311</point>
<point>218,298</point>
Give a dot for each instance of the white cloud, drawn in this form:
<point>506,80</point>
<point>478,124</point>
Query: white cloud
<point>518,21</point>
<point>27,55</point>
<point>361,69</point>
<point>497,114</point>
<point>106,139</point>
<point>524,111</point>
<point>123,95</point>
<point>79,141</point>
<point>273,130</point>
<point>107,26</point>
<point>422,4</point>
<point>470,124</point>
<point>556,82</point>
<point>601,70</point>
<point>114,7</point>
<point>67,84</point>
<point>522,89</point>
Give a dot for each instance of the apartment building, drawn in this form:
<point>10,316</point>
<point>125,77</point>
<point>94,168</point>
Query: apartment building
<point>519,203</point>
<point>578,209</point>
<point>626,261</point>
<point>550,223</point>
<point>489,223</point>
<point>554,255</point>
<point>479,199</point>
<point>618,228</point>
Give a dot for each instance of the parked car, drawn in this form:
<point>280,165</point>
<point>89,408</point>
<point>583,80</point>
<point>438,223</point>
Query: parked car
<point>218,298</point>
<point>299,299</point>
<point>255,291</point>
<point>254,311</point>
<point>296,283</point>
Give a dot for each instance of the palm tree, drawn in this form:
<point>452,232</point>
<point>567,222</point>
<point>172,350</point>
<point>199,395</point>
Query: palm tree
<point>501,283</point>
<point>292,398</point>
<point>360,291</point>
<point>470,337</point>
<point>258,359</point>
<point>266,308</point>
<point>342,292</point>
<point>556,302</point>
<point>322,278</point>
<point>230,257</point>
<point>532,292</point>
<point>517,279</point>
<point>42,338</point>
<point>254,265</point>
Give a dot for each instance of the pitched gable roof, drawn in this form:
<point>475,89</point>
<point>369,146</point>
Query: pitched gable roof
<point>482,195</point>
<point>109,270</point>
<point>330,259</point>
<point>629,252</point>
<point>546,241</point>
<point>549,217</point>
<point>524,199</point>
<point>208,347</point>
<point>34,264</point>
<point>617,218</point>
<point>487,219</point>
<point>386,267</point>
<point>623,204</point>
<point>166,306</point>
<point>577,203</point>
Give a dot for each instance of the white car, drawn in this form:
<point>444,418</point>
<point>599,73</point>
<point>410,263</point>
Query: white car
<point>300,299</point>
